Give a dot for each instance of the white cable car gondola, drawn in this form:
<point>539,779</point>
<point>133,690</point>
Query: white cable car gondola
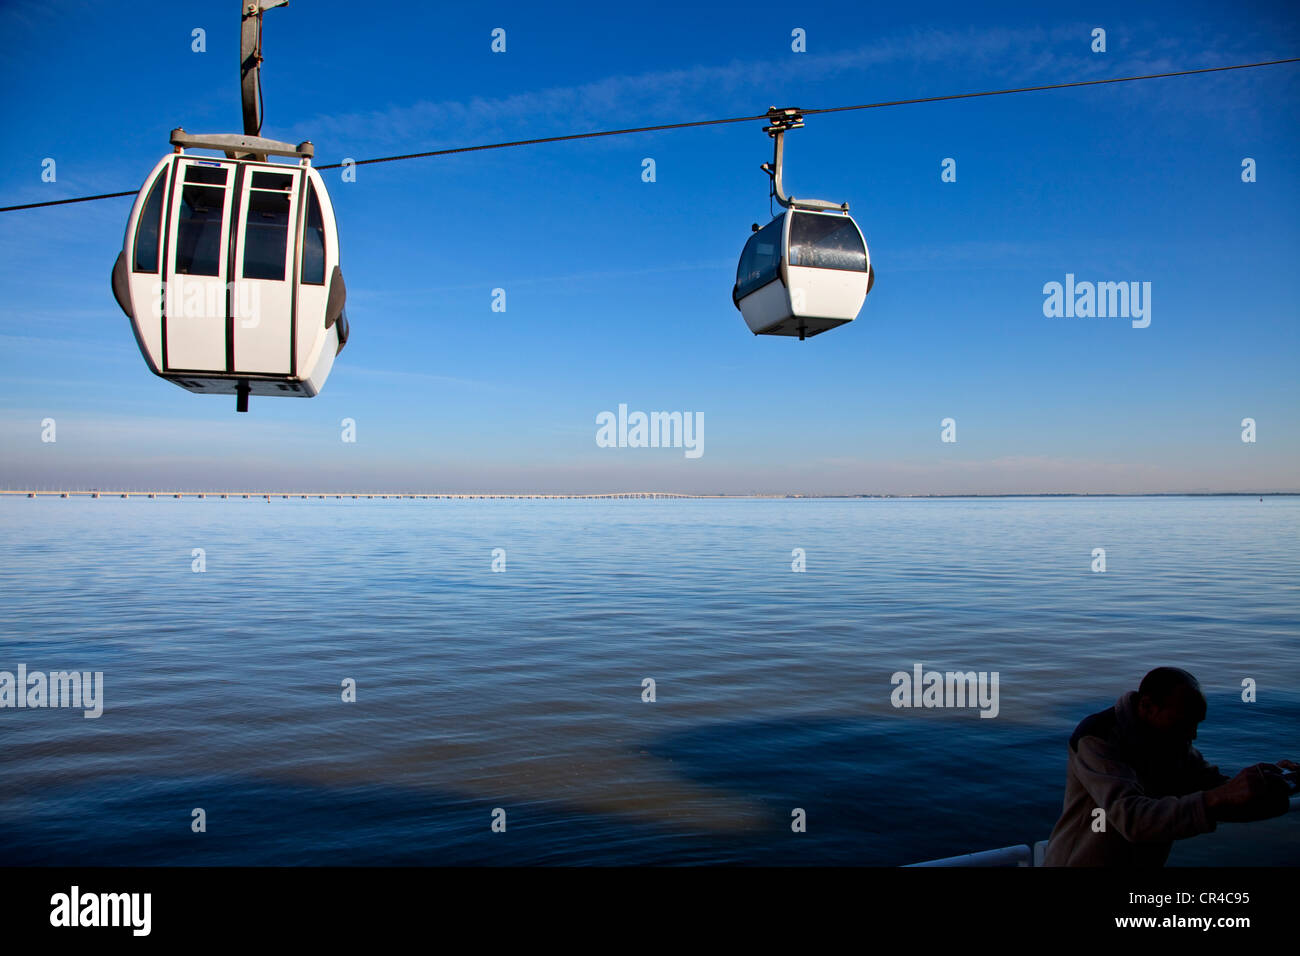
<point>229,271</point>
<point>806,271</point>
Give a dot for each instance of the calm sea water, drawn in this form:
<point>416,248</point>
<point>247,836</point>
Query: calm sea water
<point>522,690</point>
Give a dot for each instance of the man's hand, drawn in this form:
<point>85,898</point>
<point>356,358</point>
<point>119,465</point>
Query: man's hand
<point>1257,793</point>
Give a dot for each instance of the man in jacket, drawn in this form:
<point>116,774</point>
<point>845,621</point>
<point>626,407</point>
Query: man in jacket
<point>1135,783</point>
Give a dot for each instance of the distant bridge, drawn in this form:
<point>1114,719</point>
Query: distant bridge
<point>268,495</point>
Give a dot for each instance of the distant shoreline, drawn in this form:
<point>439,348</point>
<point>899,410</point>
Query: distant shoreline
<point>615,495</point>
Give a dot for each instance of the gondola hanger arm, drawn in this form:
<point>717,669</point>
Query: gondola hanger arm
<point>250,60</point>
<point>780,121</point>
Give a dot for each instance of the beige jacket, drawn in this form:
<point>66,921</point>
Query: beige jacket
<point>1150,796</point>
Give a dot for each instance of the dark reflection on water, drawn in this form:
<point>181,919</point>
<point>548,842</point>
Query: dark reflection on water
<point>522,690</point>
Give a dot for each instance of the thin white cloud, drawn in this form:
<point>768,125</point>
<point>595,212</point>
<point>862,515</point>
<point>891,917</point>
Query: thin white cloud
<point>661,95</point>
<point>396,376</point>
<point>1021,56</point>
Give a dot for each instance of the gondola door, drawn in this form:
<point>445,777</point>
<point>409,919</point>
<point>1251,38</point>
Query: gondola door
<point>194,301</point>
<point>263,295</point>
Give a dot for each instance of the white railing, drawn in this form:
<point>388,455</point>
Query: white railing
<point>1021,854</point>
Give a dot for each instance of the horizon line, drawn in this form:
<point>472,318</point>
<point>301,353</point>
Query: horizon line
<point>610,495</point>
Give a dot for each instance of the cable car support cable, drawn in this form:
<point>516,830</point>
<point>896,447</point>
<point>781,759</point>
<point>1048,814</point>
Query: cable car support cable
<point>688,125</point>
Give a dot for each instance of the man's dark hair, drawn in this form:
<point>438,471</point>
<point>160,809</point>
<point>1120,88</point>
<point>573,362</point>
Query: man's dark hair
<point>1163,682</point>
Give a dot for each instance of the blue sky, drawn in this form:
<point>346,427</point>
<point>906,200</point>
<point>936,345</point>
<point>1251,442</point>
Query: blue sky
<point>618,290</point>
